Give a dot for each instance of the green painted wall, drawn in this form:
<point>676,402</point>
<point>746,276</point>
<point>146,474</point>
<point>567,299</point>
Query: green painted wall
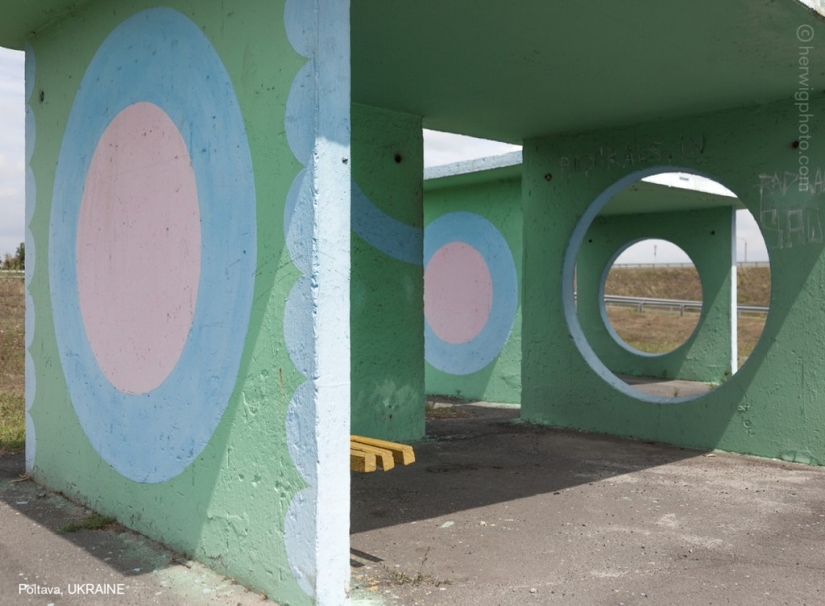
<point>499,201</point>
<point>227,508</point>
<point>387,293</point>
<point>706,236</point>
<point>773,405</point>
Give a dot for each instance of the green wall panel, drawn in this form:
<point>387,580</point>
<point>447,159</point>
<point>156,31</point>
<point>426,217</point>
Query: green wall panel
<point>772,406</point>
<point>228,505</point>
<point>707,237</point>
<point>387,316</point>
<point>498,200</point>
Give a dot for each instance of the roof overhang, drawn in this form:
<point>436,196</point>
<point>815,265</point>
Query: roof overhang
<point>24,18</point>
<point>510,71</point>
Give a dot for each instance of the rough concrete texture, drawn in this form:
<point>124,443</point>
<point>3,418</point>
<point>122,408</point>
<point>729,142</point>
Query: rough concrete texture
<point>496,196</point>
<point>503,513</point>
<point>772,406</point>
<point>246,465</point>
<point>36,551</point>
<point>705,235</point>
<point>387,291</point>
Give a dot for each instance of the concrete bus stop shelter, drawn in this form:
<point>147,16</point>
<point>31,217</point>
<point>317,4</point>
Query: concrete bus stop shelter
<point>687,210</point>
<point>202,328</point>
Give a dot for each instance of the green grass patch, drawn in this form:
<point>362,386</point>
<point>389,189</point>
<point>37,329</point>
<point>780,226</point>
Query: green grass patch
<point>12,365</point>
<point>93,522</point>
<point>12,423</point>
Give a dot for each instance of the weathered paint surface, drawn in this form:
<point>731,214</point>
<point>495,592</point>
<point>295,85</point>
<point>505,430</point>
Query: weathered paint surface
<point>705,235</point>
<point>138,249</point>
<point>387,275</point>
<point>150,426</point>
<point>472,246</point>
<point>479,349</point>
<point>771,406</point>
<point>203,459</point>
<point>459,294</point>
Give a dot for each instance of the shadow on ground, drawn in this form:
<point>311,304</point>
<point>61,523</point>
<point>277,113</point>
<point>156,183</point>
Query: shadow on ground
<point>487,456</point>
<point>42,550</point>
<point>496,512</point>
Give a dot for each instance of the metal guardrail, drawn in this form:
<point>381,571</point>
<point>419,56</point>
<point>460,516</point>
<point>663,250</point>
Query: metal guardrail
<point>10,274</point>
<point>641,302</point>
<point>656,265</point>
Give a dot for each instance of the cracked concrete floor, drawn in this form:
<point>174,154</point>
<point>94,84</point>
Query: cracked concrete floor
<point>501,513</point>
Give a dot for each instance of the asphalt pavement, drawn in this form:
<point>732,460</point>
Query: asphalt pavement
<point>496,512</point>
<point>493,512</point>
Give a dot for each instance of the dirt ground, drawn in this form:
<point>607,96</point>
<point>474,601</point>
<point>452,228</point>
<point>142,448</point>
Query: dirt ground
<point>496,512</point>
<point>46,544</point>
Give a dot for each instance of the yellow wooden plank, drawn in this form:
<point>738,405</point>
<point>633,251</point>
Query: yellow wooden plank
<point>401,453</point>
<point>382,456</point>
<point>362,461</point>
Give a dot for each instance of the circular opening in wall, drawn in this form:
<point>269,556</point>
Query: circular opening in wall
<point>666,285</point>
<point>652,308</point>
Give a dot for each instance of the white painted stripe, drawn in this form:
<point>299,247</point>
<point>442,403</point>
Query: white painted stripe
<point>331,280</point>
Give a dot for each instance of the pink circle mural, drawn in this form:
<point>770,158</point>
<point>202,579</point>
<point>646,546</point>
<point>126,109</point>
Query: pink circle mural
<point>458,292</point>
<point>139,249</point>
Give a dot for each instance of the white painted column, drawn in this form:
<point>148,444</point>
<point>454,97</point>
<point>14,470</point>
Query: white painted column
<point>734,316</point>
<point>330,294</point>
<point>317,316</point>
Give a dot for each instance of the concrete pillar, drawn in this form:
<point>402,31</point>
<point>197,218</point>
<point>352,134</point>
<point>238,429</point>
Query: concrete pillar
<point>387,289</point>
<point>188,326</point>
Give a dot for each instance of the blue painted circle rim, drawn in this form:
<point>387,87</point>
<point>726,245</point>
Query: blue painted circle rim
<point>603,309</point>
<point>161,57</point>
<point>568,295</point>
<point>476,231</point>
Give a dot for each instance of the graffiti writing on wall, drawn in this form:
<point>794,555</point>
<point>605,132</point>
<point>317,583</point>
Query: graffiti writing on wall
<point>790,208</point>
<point>636,154</point>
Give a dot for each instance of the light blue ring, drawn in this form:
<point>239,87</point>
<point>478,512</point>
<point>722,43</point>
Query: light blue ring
<point>161,57</point>
<point>484,348</point>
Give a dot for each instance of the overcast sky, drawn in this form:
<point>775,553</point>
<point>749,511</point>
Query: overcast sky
<point>12,149</point>
<point>439,148</point>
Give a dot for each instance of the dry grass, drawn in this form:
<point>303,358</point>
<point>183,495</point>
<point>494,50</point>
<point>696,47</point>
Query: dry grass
<point>655,283</point>
<point>12,365</point>
<point>654,330</point>
<point>753,283</point>
<point>657,331</point>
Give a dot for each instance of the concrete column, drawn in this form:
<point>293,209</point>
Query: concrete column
<point>387,290</point>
